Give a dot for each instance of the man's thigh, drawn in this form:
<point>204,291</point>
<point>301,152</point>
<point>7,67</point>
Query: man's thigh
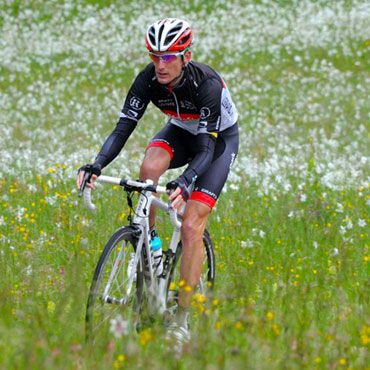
<point>176,142</point>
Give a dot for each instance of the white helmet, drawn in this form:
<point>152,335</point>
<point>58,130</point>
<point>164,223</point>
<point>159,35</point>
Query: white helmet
<point>169,34</point>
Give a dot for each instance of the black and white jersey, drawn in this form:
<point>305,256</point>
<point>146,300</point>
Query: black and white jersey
<point>199,103</point>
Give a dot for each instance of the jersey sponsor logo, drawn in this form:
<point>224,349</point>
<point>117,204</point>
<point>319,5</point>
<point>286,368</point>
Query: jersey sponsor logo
<point>185,104</point>
<point>165,102</point>
<point>227,105</point>
<point>132,113</point>
<point>205,112</point>
<point>206,191</point>
<point>136,103</point>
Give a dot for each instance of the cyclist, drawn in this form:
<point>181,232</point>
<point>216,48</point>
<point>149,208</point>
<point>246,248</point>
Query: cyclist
<point>201,132</point>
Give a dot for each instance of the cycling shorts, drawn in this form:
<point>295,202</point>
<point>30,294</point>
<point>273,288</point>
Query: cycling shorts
<point>179,143</point>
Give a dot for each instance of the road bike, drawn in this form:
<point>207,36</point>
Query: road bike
<point>125,282</point>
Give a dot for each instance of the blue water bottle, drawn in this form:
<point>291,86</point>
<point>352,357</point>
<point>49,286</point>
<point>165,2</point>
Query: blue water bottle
<point>157,251</point>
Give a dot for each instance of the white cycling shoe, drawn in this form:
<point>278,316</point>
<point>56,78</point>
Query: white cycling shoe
<point>177,336</point>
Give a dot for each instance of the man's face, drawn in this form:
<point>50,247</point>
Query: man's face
<point>166,72</point>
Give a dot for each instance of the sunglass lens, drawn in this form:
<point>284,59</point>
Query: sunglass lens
<point>167,58</point>
<point>154,57</point>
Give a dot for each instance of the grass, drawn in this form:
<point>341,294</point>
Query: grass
<point>291,230</point>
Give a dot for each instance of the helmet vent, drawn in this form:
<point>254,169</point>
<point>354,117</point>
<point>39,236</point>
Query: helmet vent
<point>160,33</point>
<point>151,35</point>
<point>184,40</point>
<point>177,28</point>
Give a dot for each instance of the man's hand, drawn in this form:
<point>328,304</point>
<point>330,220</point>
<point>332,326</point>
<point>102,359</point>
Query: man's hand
<point>178,193</point>
<point>93,170</point>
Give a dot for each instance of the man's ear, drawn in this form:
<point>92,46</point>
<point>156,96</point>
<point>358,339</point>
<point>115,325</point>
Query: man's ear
<point>187,57</point>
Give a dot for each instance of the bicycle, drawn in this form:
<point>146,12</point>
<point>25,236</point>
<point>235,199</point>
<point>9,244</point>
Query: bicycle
<point>127,262</point>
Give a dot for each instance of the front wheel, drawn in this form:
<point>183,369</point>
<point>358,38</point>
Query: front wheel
<point>114,304</point>
<point>207,278</point>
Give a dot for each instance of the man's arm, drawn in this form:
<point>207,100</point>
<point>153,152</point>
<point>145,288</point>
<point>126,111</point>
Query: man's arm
<point>206,146</point>
<point>115,142</point>
<point>182,185</point>
<point>135,105</point>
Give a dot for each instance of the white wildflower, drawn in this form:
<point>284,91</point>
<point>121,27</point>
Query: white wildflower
<point>119,326</point>
<point>246,244</point>
<point>361,222</point>
<point>339,208</point>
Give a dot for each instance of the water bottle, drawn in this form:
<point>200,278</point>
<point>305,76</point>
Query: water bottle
<point>157,251</point>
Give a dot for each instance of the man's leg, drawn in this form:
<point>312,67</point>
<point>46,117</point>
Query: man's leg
<point>193,226</point>
<point>156,162</point>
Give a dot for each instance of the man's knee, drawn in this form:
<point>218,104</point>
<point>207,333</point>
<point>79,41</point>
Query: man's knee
<point>194,221</point>
<point>150,169</point>
<point>191,229</point>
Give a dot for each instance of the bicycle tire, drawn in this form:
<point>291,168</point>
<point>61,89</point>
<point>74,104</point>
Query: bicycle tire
<point>207,279</point>
<point>100,313</point>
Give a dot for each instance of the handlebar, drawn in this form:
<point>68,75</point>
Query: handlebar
<point>134,186</point>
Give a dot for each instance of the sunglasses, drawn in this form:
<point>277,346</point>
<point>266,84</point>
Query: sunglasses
<point>166,58</point>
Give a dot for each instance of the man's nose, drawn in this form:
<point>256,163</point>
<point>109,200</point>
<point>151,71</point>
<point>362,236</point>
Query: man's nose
<point>161,63</point>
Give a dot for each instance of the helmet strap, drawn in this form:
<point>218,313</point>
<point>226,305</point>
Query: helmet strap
<point>178,77</point>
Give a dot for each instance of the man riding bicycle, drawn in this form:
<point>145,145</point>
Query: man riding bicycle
<point>201,132</point>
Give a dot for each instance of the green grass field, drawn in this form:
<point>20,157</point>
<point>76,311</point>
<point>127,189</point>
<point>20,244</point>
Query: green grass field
<point>291,230</point>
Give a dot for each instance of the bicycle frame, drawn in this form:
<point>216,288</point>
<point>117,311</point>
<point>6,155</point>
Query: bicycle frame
<point>156,287</point>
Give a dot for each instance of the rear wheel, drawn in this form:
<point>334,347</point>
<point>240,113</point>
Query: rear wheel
<point>111,306</point>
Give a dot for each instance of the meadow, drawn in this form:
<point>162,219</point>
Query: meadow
<point>291,229</point>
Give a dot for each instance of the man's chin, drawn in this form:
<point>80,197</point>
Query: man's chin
<point>163,80</point>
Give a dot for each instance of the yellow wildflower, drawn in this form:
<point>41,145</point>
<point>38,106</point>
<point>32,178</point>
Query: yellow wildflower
<point>342,361</point>
<point>182,283</point>
<point>238,325</point>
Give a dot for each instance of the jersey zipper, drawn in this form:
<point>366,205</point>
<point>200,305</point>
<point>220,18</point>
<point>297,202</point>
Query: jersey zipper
<point>177,106</point>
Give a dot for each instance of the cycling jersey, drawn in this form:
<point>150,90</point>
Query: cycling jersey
<point>200,104</point>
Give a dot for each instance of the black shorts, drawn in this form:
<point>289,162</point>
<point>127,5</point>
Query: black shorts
<point>180,145</point>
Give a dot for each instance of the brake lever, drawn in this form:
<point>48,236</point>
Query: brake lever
<point>86,179</point>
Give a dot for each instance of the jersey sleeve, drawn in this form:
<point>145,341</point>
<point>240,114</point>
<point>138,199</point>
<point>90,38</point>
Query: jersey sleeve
<point>137,98</point>
<point>209,103</point>
<point>206,146</point>
<point>134,107</point>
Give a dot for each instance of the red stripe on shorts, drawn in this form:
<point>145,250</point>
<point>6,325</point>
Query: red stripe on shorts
<point>204,198</point>
<point>161,144</point>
